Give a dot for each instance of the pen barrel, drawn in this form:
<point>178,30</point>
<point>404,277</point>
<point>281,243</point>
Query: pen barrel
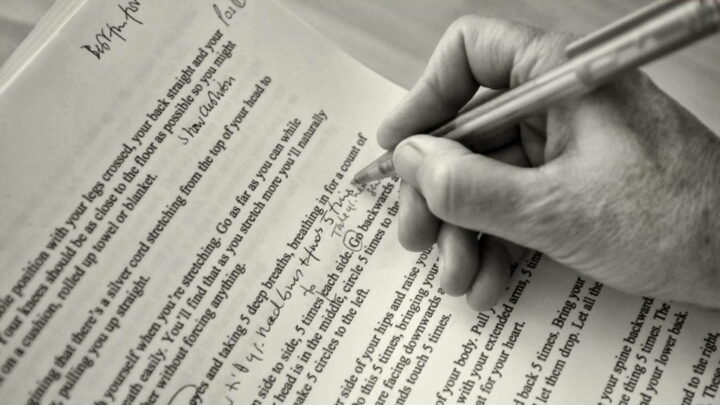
<point>515,105</point>
<point>684,23</point>
<point>678,26</point>
<point>673,24</point>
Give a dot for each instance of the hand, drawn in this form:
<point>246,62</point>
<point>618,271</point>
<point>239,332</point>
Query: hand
<point>621,185</point>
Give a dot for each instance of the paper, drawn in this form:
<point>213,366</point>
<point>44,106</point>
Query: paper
<point>178,226</point>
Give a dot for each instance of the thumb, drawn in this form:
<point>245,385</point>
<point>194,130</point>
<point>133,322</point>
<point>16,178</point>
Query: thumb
<point>476,192</point>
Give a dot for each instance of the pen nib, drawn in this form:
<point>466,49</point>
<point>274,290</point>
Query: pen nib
<point>380,168</point>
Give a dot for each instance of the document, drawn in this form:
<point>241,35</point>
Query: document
<point>178,226</point>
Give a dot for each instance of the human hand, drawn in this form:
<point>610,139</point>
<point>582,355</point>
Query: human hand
<point>620,184</point>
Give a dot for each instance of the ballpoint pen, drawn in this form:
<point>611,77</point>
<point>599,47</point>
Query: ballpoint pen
<point>645,35</point>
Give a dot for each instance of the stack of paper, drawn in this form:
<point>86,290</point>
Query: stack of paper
<point>178,226</point>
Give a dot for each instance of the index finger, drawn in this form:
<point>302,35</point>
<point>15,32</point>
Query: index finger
<point>473,52</point>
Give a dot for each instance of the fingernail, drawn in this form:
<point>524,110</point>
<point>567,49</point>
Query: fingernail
<point>407,159</point>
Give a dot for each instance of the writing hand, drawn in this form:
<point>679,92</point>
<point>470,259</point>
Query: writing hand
<point>620,184</point>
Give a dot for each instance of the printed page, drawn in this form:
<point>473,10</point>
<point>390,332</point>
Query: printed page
<point>179,226</point>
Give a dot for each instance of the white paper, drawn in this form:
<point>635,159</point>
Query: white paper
<point>223,256</point>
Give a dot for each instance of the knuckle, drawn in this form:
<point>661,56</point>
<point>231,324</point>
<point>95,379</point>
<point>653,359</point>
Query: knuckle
<point>462,23</point>
<point>542,50</point>
<point>433,84</point>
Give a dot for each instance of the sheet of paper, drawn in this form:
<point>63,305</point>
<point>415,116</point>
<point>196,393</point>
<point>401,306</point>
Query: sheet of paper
<point>178,226</point>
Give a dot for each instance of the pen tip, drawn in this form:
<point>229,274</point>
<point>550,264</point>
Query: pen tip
<point>378,169</point>
<point>361,178</point>
<point>355,181</point>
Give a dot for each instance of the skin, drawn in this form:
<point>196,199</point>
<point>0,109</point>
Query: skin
<point>620,185</point>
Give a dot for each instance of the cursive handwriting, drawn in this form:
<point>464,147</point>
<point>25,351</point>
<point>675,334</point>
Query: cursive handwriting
<point>189,394</point>
<point>227,11</point>
<point>109,32</point>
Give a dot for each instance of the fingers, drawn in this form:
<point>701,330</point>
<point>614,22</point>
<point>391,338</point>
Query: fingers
<point>418,227</point>
<point>464,265</point>
<point>481,270</point>
<point>474,51</point>
<point>477,192</point>
<point>458,258</point>
<point>493,275</point>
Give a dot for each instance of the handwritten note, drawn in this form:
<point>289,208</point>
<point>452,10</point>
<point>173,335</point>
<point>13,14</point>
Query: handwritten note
<point>117,29</point>
<point>185,230</point>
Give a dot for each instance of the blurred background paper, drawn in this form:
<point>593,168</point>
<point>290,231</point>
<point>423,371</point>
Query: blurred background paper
<point>17,19</point>
<point>395,38</point>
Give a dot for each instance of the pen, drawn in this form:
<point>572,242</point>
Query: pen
<point>645,35</point>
